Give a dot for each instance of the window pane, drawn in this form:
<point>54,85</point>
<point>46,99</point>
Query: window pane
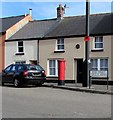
<point>98,45</point>
<point>34,67</point>
<point>94,64</point>
<point>20,68</point>
<point>62,41</point>
<point>106,63</point>
<point>103,64</point>
<point>20,46</point>
<point>98,42</point>
<point>52,67</point>
<point>98,39</point>
<point>58,41</point>
<point>52,71</point>
<point>8,68</point>
<point>20,43</point>
<point>60,47</point>
<point>20,49</point>
<point>60,44</point>
<point>13,68</point>
<point>52,63</point>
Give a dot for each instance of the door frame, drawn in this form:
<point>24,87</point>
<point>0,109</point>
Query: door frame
<point>76,69</point>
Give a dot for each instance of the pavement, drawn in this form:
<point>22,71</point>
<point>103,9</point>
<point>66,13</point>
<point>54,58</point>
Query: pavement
<point>98,89</point>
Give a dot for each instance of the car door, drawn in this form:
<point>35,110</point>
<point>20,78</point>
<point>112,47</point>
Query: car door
<point>11,73</point>
<point>5,72</point>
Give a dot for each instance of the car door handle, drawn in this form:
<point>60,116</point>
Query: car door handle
<point>11,73</point>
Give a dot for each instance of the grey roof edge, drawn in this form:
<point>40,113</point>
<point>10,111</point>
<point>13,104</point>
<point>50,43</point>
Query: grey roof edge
<point>44,20</point>
<point>47,38</point>
<point>95,14</point>
<point>14,16</point>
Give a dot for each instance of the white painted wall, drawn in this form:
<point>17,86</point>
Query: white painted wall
<point>30,52</point>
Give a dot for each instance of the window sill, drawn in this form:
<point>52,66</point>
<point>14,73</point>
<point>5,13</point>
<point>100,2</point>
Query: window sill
<point>59,51</point>
<point>52,76</point>
<point>97,50</point>
<point>19,54</point>
<point>99,78</point>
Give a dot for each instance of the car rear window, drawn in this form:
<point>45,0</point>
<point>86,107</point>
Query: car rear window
<point>20,68</point>
<point>34,67</point>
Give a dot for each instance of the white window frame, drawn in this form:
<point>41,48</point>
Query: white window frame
<point>61,44</point>
<point>99,72</point>
<point>98,63</point>
<point>20,62</point>
<point>20,46</point>
<point>94,47</point>
<point>56,68</point>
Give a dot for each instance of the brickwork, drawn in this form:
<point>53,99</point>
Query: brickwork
<point>2,48</point>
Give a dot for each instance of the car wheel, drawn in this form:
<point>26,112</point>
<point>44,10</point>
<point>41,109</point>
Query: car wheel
<point>39,84</point>
<point>2,83</point>
<point>16,83</point>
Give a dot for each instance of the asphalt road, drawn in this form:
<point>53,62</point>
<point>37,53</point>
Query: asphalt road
<point>42,102</point>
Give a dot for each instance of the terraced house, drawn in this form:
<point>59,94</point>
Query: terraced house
<point>47,41</point>
<point>8,27</point>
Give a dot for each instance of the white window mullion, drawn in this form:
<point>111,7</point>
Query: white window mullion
<point>99,64</point>
<point>48,67</point>
<point>56,68</point>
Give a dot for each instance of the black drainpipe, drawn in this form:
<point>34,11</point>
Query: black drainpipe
<point>37,51</point>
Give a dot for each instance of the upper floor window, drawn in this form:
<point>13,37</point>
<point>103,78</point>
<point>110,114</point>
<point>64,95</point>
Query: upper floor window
<point>98,43</point>
<point>20,47</point>
<point>60,44</point>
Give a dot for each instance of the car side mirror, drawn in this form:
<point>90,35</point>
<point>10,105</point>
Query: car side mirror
<point>3,71</point>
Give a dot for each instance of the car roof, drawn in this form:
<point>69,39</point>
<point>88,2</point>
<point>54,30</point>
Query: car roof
<point>23,64</point>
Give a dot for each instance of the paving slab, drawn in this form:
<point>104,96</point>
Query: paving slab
<point>99,89</point>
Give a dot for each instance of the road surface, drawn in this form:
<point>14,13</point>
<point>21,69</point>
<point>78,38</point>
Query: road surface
<point>43,102</point>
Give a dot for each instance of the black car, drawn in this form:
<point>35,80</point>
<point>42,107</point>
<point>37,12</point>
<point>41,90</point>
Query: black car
<point>20,74</point>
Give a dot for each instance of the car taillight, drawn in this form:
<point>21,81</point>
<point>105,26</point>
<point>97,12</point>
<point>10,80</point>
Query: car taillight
<point>25,73</point>
<point>44,73</point>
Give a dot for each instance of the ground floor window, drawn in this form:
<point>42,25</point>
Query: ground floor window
<point>99,67</point>
<point>52,68</point>
<point>33,62</point>
<point>20,62</point>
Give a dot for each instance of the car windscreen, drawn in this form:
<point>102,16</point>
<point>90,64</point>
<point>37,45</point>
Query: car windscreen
<point>34,67</point>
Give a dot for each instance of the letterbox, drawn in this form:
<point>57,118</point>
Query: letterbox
<point>61,72</point>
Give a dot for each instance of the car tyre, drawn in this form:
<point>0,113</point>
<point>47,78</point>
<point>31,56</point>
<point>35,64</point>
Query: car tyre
<point>39,84</point>
<point>16,83</point>
<point>2,83</point>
